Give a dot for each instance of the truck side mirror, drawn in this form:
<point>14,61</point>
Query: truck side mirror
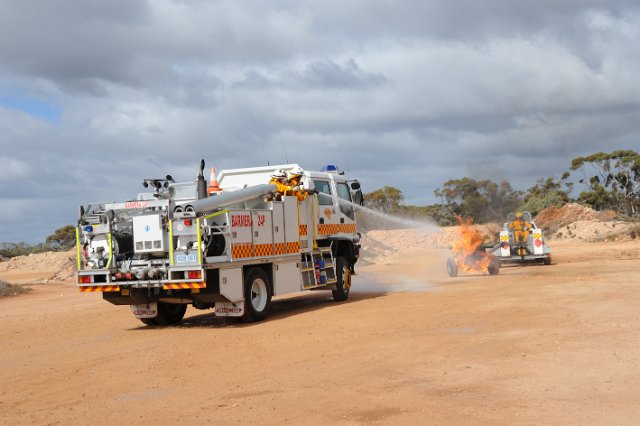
<point>358,198</point>
<point>355,185</point>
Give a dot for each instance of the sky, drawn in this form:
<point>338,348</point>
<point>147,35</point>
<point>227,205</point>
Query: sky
<point>96,95</point>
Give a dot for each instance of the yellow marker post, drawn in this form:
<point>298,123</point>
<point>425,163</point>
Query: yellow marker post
<point>78,248</point>
<point>170,243</point>
<point>110,250</point>
<point>199,241</point>
<point>313,218</point>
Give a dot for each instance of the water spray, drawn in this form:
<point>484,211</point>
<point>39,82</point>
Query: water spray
<point>425,226</point>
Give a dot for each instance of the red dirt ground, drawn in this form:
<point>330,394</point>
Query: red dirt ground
<point>551,344</point>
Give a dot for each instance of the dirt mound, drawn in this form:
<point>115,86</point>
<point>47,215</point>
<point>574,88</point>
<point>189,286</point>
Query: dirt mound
<point>575,222</point>
<point>60,264</point>
<point>593,231</point>
<point>553,218</point>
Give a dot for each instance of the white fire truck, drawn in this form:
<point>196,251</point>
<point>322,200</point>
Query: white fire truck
<point>231,250</point>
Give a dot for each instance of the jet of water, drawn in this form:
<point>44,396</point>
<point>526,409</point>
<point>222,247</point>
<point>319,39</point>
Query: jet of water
<point>425,225</point>
<point>369,282</point>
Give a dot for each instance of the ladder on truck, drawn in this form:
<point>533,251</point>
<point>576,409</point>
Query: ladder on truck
<point>318,268</point>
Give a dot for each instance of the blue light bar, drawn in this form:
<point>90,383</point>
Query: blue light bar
<point>329,168</point>
<point>88,228</point>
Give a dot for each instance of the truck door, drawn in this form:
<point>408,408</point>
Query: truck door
<point>347,211</point>
<point>328,219</point>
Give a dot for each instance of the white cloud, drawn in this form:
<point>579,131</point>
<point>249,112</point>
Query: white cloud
<point>406,96</point>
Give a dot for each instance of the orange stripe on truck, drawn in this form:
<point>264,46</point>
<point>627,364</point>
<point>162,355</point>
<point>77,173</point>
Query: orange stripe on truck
<point>183,286</point>
<point>97,288</point>
<point>336,228</point>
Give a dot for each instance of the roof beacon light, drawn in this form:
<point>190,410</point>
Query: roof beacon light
<point>330,168</point>
<point>88,228</point>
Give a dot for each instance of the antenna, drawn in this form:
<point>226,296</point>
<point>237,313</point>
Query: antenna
<point>286,159</point>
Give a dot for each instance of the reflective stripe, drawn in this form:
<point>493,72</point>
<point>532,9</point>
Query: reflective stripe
<point>241,250</point>
<point>97,288</point>
<point>263,249</point>
<point>216,214</point>
<point>182,286</point>
<point>313,218</point>
<point>78,248</point>
<point>171,242</point>
<point>336,228</point>
<point>199,242</point>
<point>110,250</point>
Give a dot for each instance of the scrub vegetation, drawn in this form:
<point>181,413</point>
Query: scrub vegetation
<point>7,289</point>
<point>611,181</point>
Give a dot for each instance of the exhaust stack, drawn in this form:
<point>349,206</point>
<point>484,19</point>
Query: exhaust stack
<point>201,185</point>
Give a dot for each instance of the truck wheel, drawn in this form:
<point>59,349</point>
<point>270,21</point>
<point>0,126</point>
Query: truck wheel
<point>494,266</point>
<point>257,295</point>
<point>547,260</point>
<point>452,267</point>
<point>168,314</point>
<point>343,277</point>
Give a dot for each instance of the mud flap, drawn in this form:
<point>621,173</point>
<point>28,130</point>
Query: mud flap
<point>146,310</point>
<point>505,249</point>
<point>229,309</point>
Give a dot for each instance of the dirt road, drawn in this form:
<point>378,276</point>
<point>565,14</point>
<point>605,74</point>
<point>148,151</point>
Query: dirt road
<point>555,344</point>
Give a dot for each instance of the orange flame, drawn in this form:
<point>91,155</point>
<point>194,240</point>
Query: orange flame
<point>467,252</point>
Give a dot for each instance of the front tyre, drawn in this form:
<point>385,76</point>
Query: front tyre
<point>257,295</point>
<point>452,267</point>
<point>343,277</point>
<point>494,266</point>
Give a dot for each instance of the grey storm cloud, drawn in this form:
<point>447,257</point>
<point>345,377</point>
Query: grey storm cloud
<point>96,95</point>
<point>317,75</point>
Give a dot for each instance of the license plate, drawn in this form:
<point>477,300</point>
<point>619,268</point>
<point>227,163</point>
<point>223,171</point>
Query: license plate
<point>186,258</point>
<point>147,310</point>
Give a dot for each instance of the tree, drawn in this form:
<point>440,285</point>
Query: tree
<point>440,213</point>
<point>63,238</point>
<point>547,192</point>
<point>613,181</point>
<point>386,200</point>
<point>479,201</point>
<point>14,249</point>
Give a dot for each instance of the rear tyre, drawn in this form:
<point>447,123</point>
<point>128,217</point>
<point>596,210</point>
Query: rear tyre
<point>149,321</point>
<point>494,266</point>
<point>547,260</point>
<point>343,277</point>
<point>168,314</point>
<point>452,267</point>
<point>257,295</point>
